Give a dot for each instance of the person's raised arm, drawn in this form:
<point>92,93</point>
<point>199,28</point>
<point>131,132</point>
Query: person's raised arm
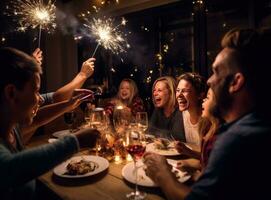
<point>65,92</point>
<point>50,112</point>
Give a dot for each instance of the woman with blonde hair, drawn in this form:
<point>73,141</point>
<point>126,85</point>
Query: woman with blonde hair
<point>127,96</point>
<point>165,120</point>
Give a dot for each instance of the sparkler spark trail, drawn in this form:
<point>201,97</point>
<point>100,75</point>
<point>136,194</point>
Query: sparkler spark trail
<point>33,14</point>
<point>108,35</point>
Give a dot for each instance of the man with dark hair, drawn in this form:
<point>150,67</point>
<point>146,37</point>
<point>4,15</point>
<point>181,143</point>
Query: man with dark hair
<point>238,165</point>
<point>19,100</point>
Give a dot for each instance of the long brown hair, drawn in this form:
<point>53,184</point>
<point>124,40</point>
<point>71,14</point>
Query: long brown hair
<point>133,88</point>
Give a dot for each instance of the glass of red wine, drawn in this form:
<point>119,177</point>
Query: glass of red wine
<point>135,145</point>
<point>69,118</point>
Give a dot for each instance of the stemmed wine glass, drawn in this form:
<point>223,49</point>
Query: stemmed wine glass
<point>121,121</point>
<point>142,121</point>
<point>135,145</point>
<point>99,121</point>
<point>97,118</point>
<point>69,118</point>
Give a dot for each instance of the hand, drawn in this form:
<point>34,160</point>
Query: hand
<point>182,148</point>
<point>87,137</point>
<point>79,96</point>
<point>189,165</point>
<point>37,54</point>
<point>87,68</point>
<point>157,168</point>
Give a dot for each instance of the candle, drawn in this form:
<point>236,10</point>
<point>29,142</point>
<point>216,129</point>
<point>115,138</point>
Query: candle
<point>129,158</point>
<point>118,159</point>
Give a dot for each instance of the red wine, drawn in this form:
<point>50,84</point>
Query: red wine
<point>136,151</point>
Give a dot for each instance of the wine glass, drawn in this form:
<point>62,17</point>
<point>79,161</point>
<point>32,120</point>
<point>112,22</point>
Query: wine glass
<point>99,121</point>
<point>87,116</point>
<point>142,121</point>
<point>135,145</point>
<point>69,118</point>
<point>121,119</point>
<point>97,118</point>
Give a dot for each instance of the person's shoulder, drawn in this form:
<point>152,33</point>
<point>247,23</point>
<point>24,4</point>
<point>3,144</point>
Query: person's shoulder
<point>156,113</point>
<point>177,112</point>
<point>250,125</point>
<point>246,131</point>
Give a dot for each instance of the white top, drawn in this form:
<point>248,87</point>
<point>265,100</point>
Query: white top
<point>191,130</point>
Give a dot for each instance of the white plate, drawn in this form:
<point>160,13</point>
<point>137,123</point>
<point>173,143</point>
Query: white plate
<point>61,169</point>
<point>170,152</point>
<point>128,173</point>
<point>62,133</point>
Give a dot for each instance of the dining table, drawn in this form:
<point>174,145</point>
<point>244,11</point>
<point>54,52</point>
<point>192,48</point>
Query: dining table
<point>107,185</point>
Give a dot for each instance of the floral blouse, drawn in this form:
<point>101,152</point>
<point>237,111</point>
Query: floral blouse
<point>136,106</point>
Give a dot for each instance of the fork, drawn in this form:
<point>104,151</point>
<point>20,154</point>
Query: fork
<point>171,139</point>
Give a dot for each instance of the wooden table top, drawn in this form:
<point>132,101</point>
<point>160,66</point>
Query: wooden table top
<point>108,185</point>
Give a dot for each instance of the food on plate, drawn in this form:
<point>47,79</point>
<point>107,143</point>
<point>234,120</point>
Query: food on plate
<point>149,138</point>
<point>81,167</point>
<point>162,143</point>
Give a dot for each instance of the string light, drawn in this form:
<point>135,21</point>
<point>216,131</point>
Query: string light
<point>145,28</point>
<point>148,80</point>
<point>112,70</point>
<point>104,2</point>
<point>76,38</point>
<point>165,48</point>
<point>159,57</point>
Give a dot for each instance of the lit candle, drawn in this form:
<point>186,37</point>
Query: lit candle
<point>118,159</point>
<point>129,158</point>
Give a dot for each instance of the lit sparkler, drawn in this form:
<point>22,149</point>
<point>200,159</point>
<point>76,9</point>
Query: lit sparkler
<point>33,14</point>
<point>108,35</point>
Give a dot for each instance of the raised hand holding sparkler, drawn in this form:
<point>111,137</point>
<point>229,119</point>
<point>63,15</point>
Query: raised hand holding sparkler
<point>37,54</point>
<point>33,14</point>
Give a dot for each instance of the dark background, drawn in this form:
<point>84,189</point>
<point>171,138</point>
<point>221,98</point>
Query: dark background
<point>186,34</point>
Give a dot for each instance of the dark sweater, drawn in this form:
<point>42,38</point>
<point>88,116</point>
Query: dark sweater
<point>163,126</point>
<point>19,168</point>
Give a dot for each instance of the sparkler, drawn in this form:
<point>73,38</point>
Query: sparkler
<point>33,14</point>
<point>108,35</point>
